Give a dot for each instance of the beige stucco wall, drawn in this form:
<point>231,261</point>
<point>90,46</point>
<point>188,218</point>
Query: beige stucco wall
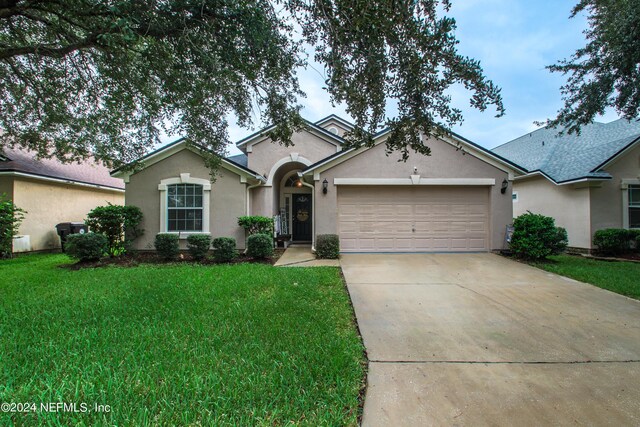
<point>227,203</point>
<point>606,200</point>
<point>265,154</point>
<point>444,162</point>
<point>567,204</point>
<point>48,204</point>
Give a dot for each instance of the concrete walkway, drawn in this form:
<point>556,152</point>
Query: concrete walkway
<point>478,339</point>
<point>301,256</point>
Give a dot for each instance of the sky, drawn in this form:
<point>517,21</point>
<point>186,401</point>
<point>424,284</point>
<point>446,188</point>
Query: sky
<point>513,40</point>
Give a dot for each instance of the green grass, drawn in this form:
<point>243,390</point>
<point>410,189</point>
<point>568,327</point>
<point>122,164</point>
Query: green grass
<point>238,344</point>
<point>619,277</point>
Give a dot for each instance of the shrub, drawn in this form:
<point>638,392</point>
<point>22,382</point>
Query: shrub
<point>118,223</point>
<point>10,218</point>
<point>535,237</point>
<point>260,246</point>
<point>87,246</point>
<point>328,246</point>
<point>167,245</point>
<point>256,224</point>
<point>613,241</point>
<point>198,245</point>
<point>224,249</point>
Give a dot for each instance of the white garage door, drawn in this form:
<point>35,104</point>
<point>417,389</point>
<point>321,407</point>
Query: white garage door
<point>407,219</point>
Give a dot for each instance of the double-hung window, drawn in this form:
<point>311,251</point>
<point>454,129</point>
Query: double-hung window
<point>184,207</point>
<point>634,206</point>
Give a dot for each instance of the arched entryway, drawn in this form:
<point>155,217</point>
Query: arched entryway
<point>295,201</point>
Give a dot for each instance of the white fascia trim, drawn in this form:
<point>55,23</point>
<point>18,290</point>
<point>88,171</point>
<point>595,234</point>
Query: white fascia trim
<point>62,181</point>
<point>185,178</point>
<point>416,180</point>
<point>293,157</point>
<point>544,175</point>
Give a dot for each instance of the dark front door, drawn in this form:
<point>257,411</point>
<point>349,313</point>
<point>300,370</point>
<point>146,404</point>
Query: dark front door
<point>301,217</point>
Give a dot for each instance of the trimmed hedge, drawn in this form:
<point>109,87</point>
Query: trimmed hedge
<point>615,241</point>
<point>224,249</point>
<point>260,246</point>
<point>256,224</point>
<point>328,246</point>
<point>535,237</point>
<point>167,245</point>
<point>87,246</point>
<point>198,245</point>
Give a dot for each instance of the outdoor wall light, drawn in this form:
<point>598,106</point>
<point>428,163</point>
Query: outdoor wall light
<point>298,183</point>
<point>505,185</point>
<point>325,185</point>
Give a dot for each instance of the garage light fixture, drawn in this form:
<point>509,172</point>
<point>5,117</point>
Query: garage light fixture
<point>505,185</point>
<point>325,186</point>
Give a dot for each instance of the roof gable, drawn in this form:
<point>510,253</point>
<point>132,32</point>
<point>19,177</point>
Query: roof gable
<point>569,158</point>
<point>459,142</point>
<point>261,136</point>
<point>332,119</point>
<point>168,150</point>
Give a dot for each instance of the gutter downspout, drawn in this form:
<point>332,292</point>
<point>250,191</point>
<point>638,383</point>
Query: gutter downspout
<point>313,210</point>
<point>251,187</point>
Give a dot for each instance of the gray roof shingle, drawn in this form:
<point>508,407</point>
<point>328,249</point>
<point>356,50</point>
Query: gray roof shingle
<point>570,157</point>
<point>86,172</point>
<point>239,159</point>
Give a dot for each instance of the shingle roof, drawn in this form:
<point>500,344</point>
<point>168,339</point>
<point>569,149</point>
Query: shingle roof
<point>87,172</point>
<point>239,159</point>
<point>571,157</point>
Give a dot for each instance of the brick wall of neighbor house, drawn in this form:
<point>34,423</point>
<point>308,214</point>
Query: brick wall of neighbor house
<point>606,200</point>
<point>6,186</point>
<point>265,154</point>
<point>444,162</point>
<point>567,204</point>
<point>48,204</point>
<point>228,196</point>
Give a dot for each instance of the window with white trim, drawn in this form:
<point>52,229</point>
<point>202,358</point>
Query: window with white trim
<point>184,207</point>
<point>514,196</point>
<point>634,206</point>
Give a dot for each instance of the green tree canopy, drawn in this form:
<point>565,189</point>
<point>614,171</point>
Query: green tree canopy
<point>103,78</point>
<point>606,72</point>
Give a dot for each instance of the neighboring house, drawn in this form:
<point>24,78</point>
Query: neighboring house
<point>586,182</point>
<point>457,199</point>
<point>52,192</point>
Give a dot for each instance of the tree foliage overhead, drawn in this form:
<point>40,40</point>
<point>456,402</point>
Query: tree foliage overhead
<point>606,72</point>
<point>82,77</point>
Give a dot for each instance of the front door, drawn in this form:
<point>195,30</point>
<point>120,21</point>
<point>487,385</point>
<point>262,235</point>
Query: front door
<point>301,217</point>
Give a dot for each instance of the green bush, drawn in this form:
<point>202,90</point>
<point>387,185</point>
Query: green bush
<point>118,223</point>
<point>224,249</point>
<point>260,246</point>
<point>198,245</point>
<point>87,246</point>
<point>256,224</point>
<point>167,245</point>
<point>10,218</point>
<point>614,241</point>
<point>328,246</point>
<point>535,237</point>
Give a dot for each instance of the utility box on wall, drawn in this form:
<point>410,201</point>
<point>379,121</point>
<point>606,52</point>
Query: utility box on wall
<point>21,244</point>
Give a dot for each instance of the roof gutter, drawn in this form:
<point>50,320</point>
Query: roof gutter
<point>61,180</point>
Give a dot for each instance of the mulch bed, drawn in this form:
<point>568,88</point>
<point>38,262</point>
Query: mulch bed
<point>136,258</point>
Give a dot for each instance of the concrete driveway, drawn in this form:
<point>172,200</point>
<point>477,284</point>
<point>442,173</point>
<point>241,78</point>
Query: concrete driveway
<point>477,339</point>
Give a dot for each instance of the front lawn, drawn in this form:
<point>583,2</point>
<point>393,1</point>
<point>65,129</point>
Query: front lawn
<point>619,277</point>
<point>237,344</point>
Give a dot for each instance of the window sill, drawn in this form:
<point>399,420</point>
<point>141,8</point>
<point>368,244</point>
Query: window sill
<point>183,235</point>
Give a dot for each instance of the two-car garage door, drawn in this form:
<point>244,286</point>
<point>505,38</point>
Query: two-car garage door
<point>413,218</point>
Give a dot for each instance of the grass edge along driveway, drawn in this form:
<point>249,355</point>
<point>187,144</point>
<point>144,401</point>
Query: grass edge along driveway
<point>238,344</point>
<point>619,277</point>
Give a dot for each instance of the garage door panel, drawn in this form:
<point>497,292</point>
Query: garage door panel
<point>405,219</point>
